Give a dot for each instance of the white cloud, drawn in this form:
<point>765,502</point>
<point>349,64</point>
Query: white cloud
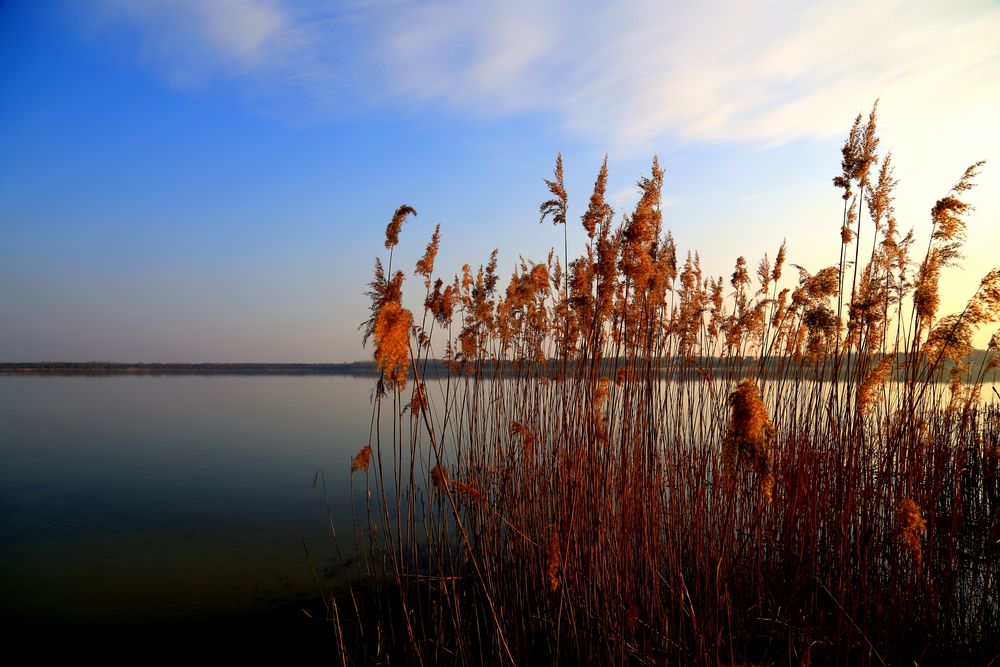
<point>621,73</point>
<point>761,72</point>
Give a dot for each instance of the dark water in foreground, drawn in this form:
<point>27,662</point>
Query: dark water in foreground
<point>170,511</point>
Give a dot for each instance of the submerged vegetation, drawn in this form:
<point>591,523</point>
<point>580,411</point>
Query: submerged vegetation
<point>622,460</point>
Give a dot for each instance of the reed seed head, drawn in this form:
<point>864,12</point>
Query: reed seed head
<point>872,382</point>
<point>362,459</point>
<point>391,333</point>
<point>557,206</point>
<point>425,265</point>
<point>767,488</point>
<point>911,526</point>
<point>396,224</point>
<point>749,430</point>
<point>779,263</point>
<point>598,211</point>
<point>439,478</point>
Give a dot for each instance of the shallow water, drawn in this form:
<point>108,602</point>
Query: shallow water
<point>172,508</point>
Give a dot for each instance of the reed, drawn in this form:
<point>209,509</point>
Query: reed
<point>625,461</point>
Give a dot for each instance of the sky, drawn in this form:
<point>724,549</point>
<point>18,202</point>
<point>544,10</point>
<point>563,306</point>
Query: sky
<point>186,181</point>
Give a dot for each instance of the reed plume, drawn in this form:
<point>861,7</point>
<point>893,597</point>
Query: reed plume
<point>779,263</point>
<point>598,211</point>
<point>851,159</point>
<point>641,232</point>
<point>425,265</point>
<point>391,334</point>
<point>396,224</point>
<point>748,432</point>
<point>947,237</point>
<point>439,478</point>
<point>362,459</point>
<point>556,207</point>
<point>911,526</point>
<point>873,382</point>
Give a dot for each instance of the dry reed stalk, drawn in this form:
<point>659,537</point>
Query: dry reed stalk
<point>553,562</point>
<point>522,412</point>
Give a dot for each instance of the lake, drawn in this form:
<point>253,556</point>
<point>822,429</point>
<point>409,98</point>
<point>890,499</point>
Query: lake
<point>172,510</point>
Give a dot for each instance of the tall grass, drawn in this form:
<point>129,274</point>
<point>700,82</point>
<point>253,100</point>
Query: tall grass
<point>622,460</point>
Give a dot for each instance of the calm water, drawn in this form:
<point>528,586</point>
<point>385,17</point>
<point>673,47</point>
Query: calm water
<point>169,509</point>
<point>166,512</point>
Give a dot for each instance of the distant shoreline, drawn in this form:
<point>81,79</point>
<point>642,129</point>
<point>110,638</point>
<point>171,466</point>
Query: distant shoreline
<point>434,367</point>
<point>360,368</point>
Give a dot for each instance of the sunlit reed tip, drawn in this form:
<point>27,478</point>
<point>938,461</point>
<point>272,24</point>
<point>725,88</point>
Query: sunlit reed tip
<point>396,224</point>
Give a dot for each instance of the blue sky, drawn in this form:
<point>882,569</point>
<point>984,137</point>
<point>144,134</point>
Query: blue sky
<point>210,181</point>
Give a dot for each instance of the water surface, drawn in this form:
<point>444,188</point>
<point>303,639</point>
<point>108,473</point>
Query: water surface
<point>172,508</point>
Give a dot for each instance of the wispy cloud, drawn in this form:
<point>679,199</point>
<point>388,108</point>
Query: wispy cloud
<point>624,73</point>
<point>192,39</point>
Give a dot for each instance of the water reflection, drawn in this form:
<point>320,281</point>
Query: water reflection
<point>136,502</point>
